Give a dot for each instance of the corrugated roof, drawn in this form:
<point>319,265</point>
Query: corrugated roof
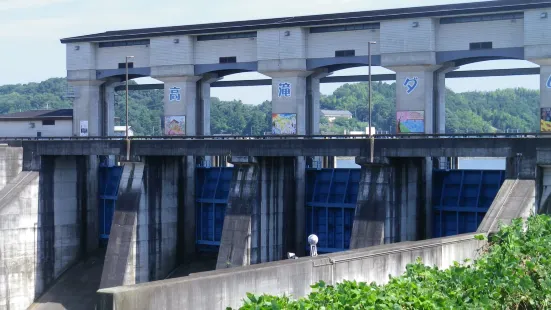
<point>39,114</point>
<point>318,20</point>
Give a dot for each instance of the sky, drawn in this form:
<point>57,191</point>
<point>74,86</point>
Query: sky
<point>30,31</point>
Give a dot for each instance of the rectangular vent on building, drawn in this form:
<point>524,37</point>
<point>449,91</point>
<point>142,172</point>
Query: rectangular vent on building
<point>122,65</point>
<point>480,45</point>
<point>345,53</point>
<point>227,60</point>
<point>48,122</point>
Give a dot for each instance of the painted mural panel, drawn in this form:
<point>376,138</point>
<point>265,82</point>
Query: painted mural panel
<point>410,121</point>
<point>284,123</point>
<point>545,122</point>
<point>175,125</point>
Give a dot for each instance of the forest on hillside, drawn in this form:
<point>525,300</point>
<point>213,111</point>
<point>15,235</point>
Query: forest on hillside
<point>480,112</point>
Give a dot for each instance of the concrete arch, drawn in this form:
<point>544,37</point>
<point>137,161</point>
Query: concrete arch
<point>472,56</point>
<point>133,73</point>
<point>339,63</point>
<point>226,69</point>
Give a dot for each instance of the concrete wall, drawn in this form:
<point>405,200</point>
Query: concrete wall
<point>318,46</point>
<point>144,235</point>
<point>62,128</point>
<point>398,36</point>
<point>40,231</point>
<point>222,288</point>
<point>165,52</point>
<point>209,52</point>
<point>11,162</point>
<point>110,57</point>
<point>502,33</point>
<point>274,44</point>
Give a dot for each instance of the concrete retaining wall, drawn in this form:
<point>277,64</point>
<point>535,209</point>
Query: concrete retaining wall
<point>222,288</point>
<point>39,230</point>
<point>11,162</point>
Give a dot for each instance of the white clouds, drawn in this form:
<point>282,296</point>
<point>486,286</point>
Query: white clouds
<point>26,4</point>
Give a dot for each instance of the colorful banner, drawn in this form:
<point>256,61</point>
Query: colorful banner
<point>410,121</point>
<point>545,122</point>
<point>284,123</point>
<point>175,125</point>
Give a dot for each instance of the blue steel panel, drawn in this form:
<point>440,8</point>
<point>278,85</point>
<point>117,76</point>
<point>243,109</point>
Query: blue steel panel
<point>331,201</point>
<point>211,197</point>
<point>109,179</point>
<point>461,198</point>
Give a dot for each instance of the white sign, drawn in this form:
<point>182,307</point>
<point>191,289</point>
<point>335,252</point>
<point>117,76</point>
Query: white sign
<point>175,94</point>
<point>84,128</point>
<point>284,89</point>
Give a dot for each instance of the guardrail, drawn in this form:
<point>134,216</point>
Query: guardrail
<point>285,137</point>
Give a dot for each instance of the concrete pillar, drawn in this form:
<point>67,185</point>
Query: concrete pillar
<point>409,193</point>
<point>545,95</point>
<point>521,167</point>
<point>180,102</point>
<point>236,241</point>
<point>145,234</point>
<point>86,107</point>
<point>300,206</point>
<point>374,206</point>
<point>11,163</point>
<point>108,114</point>
<point>544,187</point>
<point>261,222</point>
<point>415,99</point>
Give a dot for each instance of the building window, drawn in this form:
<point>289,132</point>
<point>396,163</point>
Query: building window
<point>39,134</point>
<point>226,36</point>
<point>345,53</point>
<point>481,18</point>
<point>227,60</point>
<point>480,45</point>
<point>123,43</point>
<point>345,28</point>
<point>48,122</point>
<point>122,65</point>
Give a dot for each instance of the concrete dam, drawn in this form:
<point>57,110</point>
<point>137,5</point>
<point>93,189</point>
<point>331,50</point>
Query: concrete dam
<point>75,225</point>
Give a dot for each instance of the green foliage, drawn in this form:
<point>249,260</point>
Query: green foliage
<point>512,272</point>
<point>465,112</point>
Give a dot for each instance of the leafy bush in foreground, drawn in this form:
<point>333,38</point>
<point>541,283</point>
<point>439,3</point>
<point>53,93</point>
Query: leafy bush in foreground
<point>513,272</point>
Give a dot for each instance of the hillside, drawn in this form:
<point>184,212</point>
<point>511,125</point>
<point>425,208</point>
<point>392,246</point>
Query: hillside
<point>470,111</point>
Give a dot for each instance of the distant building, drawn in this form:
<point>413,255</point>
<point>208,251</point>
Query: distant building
<point>44,123</point>
<point>331,115</point>
<point>121,131</point>
<point>37,123</point>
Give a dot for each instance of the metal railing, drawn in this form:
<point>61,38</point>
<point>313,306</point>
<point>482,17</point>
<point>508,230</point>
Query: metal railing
<point>286,137</point>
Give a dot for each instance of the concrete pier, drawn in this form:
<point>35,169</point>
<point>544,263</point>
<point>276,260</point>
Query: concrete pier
<point>144,236</point>
<point>389,202</point>
<point>258,226</point>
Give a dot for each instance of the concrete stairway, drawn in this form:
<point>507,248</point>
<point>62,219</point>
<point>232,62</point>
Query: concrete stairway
<point>76,288</point>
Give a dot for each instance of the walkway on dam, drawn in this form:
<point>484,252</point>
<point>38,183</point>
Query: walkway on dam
<point>76,289</point>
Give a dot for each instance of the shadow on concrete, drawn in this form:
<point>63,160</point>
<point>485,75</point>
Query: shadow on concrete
<point>203,262</point>
<point>76,288</point>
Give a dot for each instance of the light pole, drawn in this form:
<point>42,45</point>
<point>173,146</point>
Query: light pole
<point>369,102</point>
<point>127,140</point>
<point>127,95</point>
